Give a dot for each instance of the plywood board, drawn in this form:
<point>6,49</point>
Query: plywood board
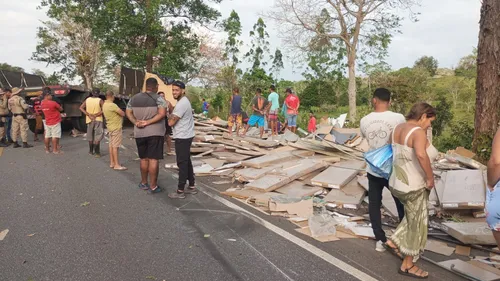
<point>485,266</point>
<point>470,232</point>
<point>249,152</point>
<point>469,269</point>
<point>324,130</point>
<point>230,156</point>
<point>351,200</point>
<point>240,193</point>
<point>351,164</point>
<point>439,247</point>
<point>298,189</point>
<point>287,175</point>
<point>464,189</point>
<point>250,174</point>
<point>462,250</point>
<point>274,158</point>
<point>215,163</point>
<point>203,169</point>
<point>283,203</point>
<point>334,177</point>
<point>259,142</point>
<point>363,231</point>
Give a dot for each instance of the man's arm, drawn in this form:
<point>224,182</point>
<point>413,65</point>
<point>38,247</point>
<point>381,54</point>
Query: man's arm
<point>98,114</point>
<point>493,171</point>
<point>173,120</point>
<point>83,108</point>
<point>160,115</point>
<point>24,105</point>
<point>119,111</point>
<point>59,107</point>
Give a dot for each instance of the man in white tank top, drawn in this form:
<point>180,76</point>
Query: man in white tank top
<point>377,128</point>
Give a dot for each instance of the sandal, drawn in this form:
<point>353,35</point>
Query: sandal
<point>417,274</point>
<point>394,251</point>
<point>191,190</point>
<point>120,168</point>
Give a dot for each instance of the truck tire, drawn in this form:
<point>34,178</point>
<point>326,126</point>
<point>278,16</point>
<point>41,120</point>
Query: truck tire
<point>79,123</point>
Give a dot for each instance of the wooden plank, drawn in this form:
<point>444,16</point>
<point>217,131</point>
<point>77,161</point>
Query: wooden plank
<point>298,189</point>
<point>274,158</point>
<point>215,163</point>
<point>251,174</point>
<point>240,193</point>
<point>351,164</point>
<point>470,232</point>
<point>204,153</point>
<point>324,130</point>
<point>230,156</point>
<point>469,269</point>
<point>200,149</point>
<point>249,153</point>
<point>334,177</point>
<point>273,182</point>
<point>350,200</point>
<point>258,142</point>
<point>439,247</point>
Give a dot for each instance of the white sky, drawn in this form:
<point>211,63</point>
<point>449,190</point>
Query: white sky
<point>446,30</point>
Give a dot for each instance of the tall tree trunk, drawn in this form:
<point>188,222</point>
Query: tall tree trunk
<point>351,65</point>
<point>488,79</point>
<point>149,53</point>
<point>88,80</point>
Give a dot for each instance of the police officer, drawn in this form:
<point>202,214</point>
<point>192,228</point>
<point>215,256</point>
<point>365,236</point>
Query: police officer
<point>18,107</point>
<point>4,112</point>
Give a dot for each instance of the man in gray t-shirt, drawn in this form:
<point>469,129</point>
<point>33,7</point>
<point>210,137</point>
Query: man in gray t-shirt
<point>182,122</point>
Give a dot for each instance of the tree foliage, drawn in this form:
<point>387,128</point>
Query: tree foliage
<point>70,45</point>
<point>444,116</point>
<point>364,28</point>
<point>155,34</point>
<point>428,63</point>
<point>467,67</point>
<point>8,67</point>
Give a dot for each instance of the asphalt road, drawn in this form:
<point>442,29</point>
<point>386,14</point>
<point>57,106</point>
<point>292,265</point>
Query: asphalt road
<point>70,217</point>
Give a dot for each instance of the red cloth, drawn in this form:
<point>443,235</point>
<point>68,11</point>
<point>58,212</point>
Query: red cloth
<point>51,112</point>
<point>312,125</point>
<point>37,105</point>
<point>292,102</point>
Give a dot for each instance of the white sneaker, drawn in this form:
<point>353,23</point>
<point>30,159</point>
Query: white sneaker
<point>379,247</point>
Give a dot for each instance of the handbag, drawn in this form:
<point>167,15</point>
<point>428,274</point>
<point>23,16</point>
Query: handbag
<point>380,160</point>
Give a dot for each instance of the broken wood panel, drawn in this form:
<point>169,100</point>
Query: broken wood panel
<point>240,193</point>
<point>230,156</point>
<point>352,164</point>
<point>274,158</point>
<point>200,149</point>
<point>464,189</point>
<point>249,152</point>
<point>298,189</point>
<point>259,142</point>
<point>215,163</point>
<point>470,270</point>
<point>350,196</point>
<point>334,177</point>
<point>470,232</point>
<point>273,182</point>
<point>250,174</point>
<point>302,146</point>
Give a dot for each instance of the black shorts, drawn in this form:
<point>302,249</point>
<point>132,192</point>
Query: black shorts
<point>150,147</point>
<point>168,131</point>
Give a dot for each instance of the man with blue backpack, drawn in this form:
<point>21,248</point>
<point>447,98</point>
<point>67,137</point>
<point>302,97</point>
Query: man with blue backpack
<point>377,128</point>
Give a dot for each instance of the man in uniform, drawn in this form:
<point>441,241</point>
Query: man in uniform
<point>4,112</point>
<point>92,108</point>
<point>18,106</point>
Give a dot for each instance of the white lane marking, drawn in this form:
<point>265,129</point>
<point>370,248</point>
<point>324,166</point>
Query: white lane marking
<point>250,245</point>
<point>360,275</point>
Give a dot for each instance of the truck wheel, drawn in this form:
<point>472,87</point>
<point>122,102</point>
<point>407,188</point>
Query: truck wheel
<point>79,124</point>
<point>32,126</point>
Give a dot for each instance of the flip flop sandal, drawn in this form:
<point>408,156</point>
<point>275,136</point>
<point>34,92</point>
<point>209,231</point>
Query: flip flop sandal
<point>191,190</point>
<point>393,251</point>
<point>407,272</point>
<point>120,168</point>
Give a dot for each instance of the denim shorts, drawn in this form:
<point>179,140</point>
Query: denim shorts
<point>493,207</point>
<point>292,120</point>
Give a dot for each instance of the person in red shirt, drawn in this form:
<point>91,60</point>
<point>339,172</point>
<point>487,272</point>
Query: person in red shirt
<point>292,103</point>
<point>52,112</point>
<point>312,123</point>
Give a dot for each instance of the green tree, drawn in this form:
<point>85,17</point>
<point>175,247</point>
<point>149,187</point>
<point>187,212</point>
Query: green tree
<point>277,64</point>
<point>365,28</point>
<point>444,116</point>
<point>428,63</point>
<point>155,34</point>
<point>8,67</point>
<point>53,79</point>
<point>259,46</point>
<point>467,67</point>
<point>232,26</point>
<point>70,45</point>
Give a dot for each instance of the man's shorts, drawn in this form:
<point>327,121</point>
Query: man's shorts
<point>235,118</point>
<point>150,147</point>
<point>255,119</point>
<point>493,207</point>
<point>273,115</point>
<point>168,129</point>
<point>205,112</point>
<point>115,138</point>
<point>292,120</point>
<point>53,131</point>
<point>95,131</point>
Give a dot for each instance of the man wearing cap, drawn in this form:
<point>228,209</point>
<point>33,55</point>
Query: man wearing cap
<point>18,106</point>
<point>182,122</point>
<point>147,112</point>
<point>4,112</point>
<point>92,108</point>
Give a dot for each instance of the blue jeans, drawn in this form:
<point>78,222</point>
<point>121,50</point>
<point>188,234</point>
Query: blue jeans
<point>292,120</point>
